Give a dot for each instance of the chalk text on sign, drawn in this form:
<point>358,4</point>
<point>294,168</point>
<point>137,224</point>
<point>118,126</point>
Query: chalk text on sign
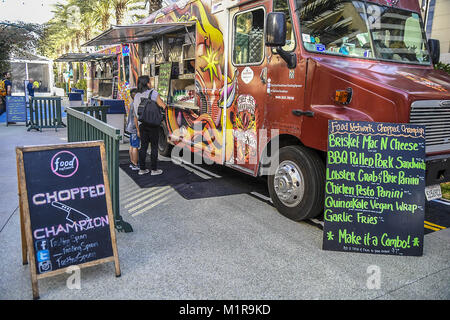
<point>69,194</point>
<point>82,225</point>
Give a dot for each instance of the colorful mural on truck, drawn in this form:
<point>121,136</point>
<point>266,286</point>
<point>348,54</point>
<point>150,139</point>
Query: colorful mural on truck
<point>209,83</point>
<point>203,130</point>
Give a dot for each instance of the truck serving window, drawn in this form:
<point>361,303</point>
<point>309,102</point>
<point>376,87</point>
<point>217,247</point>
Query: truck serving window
<point>248,46</point>
<point>362,29</point>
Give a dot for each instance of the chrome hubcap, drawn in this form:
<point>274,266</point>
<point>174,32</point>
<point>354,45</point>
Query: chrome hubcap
<point>289,184</point>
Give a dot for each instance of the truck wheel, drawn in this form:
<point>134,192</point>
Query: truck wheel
<point>164,147</point>
<point>297,184</point>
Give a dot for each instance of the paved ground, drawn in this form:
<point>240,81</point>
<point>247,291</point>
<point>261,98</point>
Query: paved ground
<point>233,246</point>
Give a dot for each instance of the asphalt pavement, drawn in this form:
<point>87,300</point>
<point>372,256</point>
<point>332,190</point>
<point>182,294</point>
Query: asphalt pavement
<point>216,237</point>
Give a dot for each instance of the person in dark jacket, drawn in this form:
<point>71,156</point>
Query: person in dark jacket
<point>147,134</point>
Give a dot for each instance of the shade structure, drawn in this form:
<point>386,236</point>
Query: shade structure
<point>83,57</point>
<point>136,33</point>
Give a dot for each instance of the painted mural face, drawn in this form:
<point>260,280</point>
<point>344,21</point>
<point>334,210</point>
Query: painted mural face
<point>245,129</point>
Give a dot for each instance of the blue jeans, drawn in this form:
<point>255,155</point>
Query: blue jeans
<point>134,140</point>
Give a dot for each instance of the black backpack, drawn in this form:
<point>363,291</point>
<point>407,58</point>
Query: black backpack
<point>149,112</point>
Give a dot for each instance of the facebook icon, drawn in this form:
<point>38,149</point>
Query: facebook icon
<point>41,245</point>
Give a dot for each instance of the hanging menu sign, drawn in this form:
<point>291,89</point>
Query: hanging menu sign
<point>66,210</point>
<point>165,72</point>
<point>375,182</point>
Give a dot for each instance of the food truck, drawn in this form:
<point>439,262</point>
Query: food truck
<point>250,81</point>
<point>110,73</point>
<point>113,76</point>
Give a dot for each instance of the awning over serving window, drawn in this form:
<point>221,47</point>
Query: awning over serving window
<point>136,33</point>
<point>83,57</point>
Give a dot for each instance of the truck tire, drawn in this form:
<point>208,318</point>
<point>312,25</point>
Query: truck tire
<point>164,147</point>
<point>297,183</point>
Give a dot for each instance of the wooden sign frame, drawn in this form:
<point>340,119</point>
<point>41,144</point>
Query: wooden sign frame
<point>375,200</point>
<point>28,252</point>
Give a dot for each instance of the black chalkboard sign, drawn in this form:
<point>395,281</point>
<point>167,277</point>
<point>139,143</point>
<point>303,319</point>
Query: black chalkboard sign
<point>66,207</point>
<point>16,109</point>
<point>375,182</point>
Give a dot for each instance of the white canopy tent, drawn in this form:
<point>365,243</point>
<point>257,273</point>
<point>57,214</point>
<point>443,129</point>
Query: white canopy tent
<point>26,65</point>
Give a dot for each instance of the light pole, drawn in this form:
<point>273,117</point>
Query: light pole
<point>425,8</point>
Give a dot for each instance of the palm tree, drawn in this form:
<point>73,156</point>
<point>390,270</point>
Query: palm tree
<point>75,20</point>
<point>57,32</point>
<point>88,24</point>
<point>154,5</point>
<point>121,7</point>
<point>103,13</point>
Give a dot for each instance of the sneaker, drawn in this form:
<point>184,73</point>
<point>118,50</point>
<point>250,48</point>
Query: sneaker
<point>134,167</point>
<point>156,172</point>
<point>142,172</point>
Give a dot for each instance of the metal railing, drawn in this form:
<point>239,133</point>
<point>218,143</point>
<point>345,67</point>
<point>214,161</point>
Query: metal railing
<point>45,112</point>
<point>83,127</point>
<point>98,112</point>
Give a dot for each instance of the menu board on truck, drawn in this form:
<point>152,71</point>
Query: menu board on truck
<point>165,71</point>
<point>66,211</point>
<point>375,181</point>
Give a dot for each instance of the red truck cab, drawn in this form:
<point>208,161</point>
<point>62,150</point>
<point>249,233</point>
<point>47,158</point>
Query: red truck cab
<point>354,60</point>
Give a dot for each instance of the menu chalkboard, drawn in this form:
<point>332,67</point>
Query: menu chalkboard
<point>374,194</point>
<point>66,207</point>
<point>16,109</point>
<point>165,72</point>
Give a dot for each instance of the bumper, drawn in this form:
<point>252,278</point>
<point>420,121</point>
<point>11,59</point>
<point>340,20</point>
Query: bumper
<point>438,169</point>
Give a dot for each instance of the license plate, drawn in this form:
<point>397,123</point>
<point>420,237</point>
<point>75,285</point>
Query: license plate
<point>433,192</point>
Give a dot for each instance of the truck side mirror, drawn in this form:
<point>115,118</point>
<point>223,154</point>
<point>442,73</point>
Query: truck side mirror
<point>275,29</point>
<point>276,37</point>
<point>435,50</point>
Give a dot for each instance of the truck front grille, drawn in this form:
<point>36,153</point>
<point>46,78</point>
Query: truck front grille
<point>435,116</point>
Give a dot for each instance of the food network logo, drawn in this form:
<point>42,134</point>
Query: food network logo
<point>64,164</point>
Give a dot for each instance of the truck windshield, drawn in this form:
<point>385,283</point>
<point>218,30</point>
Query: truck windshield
<point>362,29</point>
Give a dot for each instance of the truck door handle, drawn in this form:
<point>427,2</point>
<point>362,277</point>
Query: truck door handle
<point>263,75</point>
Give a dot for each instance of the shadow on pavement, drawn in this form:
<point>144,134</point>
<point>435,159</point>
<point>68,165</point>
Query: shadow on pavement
<point>188,184</point>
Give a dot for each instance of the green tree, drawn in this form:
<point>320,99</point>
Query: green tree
<point>103,13</point>
<point>122,7</point>
<point>442,66</point>
<point>17,37</point>
<point>154,5</point>
<point>76,21</point>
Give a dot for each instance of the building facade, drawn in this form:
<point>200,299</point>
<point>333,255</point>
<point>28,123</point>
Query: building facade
<point>436,15</point>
